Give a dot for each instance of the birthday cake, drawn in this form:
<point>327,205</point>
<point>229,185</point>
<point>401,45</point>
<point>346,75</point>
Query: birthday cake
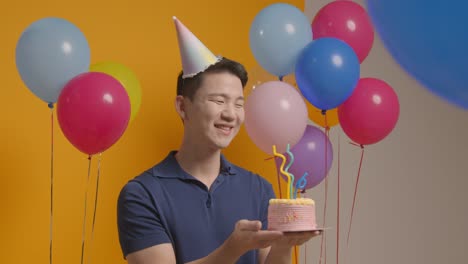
<point>291,215</point>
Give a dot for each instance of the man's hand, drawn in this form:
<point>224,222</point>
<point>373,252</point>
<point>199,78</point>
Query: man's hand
<point>291,239</point>
<point>280,252</point>
<point>247,235</point>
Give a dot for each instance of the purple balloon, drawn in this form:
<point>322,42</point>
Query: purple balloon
<point>309,156</point>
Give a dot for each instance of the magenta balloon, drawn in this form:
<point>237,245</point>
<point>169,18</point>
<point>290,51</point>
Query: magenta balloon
<point>371,113</point>
<point>93,111</point>
<point>275,114</point>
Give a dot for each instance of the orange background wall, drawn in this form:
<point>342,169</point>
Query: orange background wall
<point>141,35</point>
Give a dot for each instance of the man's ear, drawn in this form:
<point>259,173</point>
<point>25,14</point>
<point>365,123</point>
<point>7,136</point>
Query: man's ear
<point>180,105</point>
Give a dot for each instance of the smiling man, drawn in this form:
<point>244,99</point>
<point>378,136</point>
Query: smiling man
<point>195,206</point>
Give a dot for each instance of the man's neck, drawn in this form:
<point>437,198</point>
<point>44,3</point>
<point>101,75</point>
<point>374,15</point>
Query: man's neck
<point>202,163</point>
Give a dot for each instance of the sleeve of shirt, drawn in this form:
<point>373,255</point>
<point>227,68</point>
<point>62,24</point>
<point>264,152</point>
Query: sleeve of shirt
<point>267,194</point>
<point>139,222</point>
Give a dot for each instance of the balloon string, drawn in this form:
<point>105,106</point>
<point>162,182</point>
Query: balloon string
<point>322,246</point>
<point>95,204</point>
<point>51,224</point>
<point>338,207</point>
<point>325,250</point>
<point>282,169</point>
<point>85,206</point>
<point>327,135</point>
<point>355,193</point>
<point>305,244</point>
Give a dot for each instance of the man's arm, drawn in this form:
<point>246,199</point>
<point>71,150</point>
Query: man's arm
<point>247,235</point>
<point>280,252</point>
<point>162,253</point>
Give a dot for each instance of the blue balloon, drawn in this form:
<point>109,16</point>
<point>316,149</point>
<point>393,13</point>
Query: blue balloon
<point>327,72</point>
<point>429,40</point>
<point>277,35</point>
<point>49,53</point>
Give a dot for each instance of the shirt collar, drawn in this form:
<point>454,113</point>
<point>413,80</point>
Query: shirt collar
<point>170,168</point>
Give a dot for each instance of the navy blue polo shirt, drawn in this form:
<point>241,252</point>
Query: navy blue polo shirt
<point>167,205</point>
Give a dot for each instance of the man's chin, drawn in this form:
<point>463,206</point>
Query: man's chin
<point>223,145</point>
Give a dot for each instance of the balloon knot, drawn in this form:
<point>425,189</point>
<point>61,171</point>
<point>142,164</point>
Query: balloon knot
<point>50,105</point>
<point>324,112</point>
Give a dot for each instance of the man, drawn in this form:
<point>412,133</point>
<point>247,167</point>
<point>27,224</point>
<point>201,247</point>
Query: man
<point>194,206</point>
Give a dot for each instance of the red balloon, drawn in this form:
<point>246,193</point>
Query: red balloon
<point>348,21</point>
<point>371,113</point>
<point>93,111</point>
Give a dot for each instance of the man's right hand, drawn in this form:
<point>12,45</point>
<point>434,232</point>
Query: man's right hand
<point>248,235</point>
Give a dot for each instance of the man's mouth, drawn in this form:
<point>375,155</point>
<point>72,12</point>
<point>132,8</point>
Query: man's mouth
<point>224,128</point>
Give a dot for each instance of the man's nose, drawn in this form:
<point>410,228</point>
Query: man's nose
<point>229,113</point>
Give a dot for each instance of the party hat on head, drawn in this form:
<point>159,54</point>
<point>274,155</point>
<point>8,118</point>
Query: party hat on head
<point>196,57</point>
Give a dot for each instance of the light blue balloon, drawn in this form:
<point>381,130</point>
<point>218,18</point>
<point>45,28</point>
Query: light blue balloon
<point>49,53</point>
<point>327,72</point>
<point>277,35</point>
<point>429,40</point>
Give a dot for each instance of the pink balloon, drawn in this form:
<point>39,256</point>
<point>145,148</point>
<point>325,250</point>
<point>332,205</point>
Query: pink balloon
<point>348,21</point>
<point>371,113</point>
<point>275,114</point>
<point>93,111</point>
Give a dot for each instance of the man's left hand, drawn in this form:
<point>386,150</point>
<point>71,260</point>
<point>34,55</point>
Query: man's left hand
<point>291,239</point>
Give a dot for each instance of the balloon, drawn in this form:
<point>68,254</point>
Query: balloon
<point>315,114</point>
<point>277,35</point>
<point>371,113</point>
<point>275,114</point>
<point>93,111</point>
<point>258,75</point>
<point>327,72</point>
<point>318,118</point>
<point>127,78</point>
<point>309,156</point>
<point>429,40</point>
<point>348,21</point>
<point>49,53</point>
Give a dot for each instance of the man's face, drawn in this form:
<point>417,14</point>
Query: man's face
<point>216,112</point>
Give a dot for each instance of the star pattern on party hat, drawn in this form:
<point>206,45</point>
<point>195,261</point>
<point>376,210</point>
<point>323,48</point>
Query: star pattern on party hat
<point>196,57</point>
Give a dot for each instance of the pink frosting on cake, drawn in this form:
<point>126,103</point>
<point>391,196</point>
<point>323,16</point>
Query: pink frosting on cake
<point>291,217</point>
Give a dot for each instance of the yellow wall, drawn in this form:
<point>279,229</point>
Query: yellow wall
<point>141,35</point>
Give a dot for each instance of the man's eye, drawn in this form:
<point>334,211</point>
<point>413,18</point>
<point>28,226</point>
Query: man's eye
<point>239,105</point>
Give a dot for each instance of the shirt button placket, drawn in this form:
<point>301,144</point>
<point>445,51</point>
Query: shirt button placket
<point>208,201</point>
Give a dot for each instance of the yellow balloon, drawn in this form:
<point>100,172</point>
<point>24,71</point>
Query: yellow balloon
<point>127,78</point>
